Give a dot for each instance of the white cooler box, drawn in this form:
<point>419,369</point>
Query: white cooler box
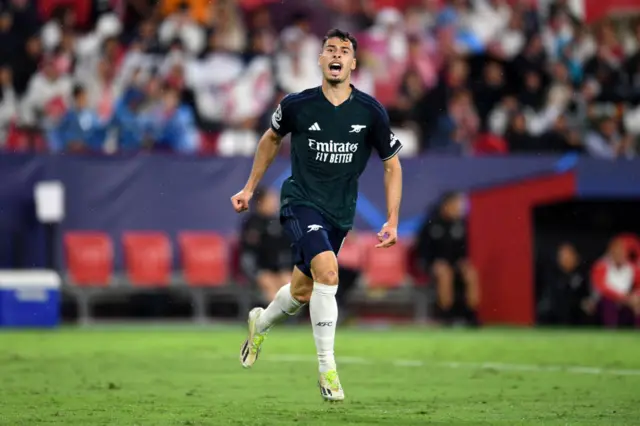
<point>29,299</point>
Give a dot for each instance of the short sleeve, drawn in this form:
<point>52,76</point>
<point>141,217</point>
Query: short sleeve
<point>381,137</point>
<point>283,118</point>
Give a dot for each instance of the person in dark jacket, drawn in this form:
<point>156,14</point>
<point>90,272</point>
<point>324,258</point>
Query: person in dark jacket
<point>442,249</point>
<point>265,249</point>
<point>567,298</point>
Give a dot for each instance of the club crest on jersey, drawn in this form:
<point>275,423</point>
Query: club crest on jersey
<point>333,152</point>
<point>394,140</point>
<point>356,128</point>
<point>276,118</point>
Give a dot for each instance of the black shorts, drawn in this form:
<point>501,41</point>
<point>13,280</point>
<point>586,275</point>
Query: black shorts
<point>310,234</point>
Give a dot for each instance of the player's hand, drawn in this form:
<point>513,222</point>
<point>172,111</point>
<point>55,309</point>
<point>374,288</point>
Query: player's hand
<point>387,236</point>
<point>240,201</point>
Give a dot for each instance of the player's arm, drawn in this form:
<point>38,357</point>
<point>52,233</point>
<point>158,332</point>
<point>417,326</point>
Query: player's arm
<point>268,148</point>
<point>393,189</point>
<point>388,146</point>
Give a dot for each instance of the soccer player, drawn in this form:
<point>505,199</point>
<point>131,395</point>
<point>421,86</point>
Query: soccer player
<point>333,130</point>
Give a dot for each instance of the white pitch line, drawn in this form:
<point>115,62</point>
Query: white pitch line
<point>572,369</point>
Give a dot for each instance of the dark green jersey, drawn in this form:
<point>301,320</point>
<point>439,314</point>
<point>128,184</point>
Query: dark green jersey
<point>330,147</point>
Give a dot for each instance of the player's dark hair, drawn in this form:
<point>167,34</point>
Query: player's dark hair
<point>342,35</point>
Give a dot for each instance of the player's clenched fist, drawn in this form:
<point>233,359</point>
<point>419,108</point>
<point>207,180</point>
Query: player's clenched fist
<point>240,201</point>
<point>387,236</point>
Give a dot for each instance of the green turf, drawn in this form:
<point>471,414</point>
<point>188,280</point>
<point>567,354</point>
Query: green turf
<point>191,376</point>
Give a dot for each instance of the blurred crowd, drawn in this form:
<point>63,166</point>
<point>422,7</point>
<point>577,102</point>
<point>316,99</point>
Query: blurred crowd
<point>462,77</point>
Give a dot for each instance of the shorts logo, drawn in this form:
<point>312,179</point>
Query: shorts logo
<point>314,228</point>
<point>333,152</point>
<point>355,128</point>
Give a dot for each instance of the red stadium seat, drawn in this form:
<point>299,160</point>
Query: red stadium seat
<point>205,258</point>
<point>384,268</point>
<point>147,257</point>
<point>89,257</point>
<point>350,255</point>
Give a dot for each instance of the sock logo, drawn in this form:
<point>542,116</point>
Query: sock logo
<point>324,323</point>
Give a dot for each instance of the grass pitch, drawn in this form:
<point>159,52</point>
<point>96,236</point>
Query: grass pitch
<point>191,376</point>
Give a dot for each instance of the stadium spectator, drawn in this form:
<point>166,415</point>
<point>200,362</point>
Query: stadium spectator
<point>254,90</point>
<point>562,139</point>
<point>297,59</point>
<point>457,128</point>
<point>566,294</point>
<point>102,89</point>
<point>518,139</point>
<point>212,89</point>
<point>25,65</point>
<point>80,129</point>
<point>499,118</point>
<point>181,25</point>
<point>8,103</point>
<point>261,25</point>
<point>9,40</point>
<point>442,251</point>
<point>606,141</point>
<point>489,91</point>
<point>172,126</point>
<point>265,249</point>
<point>508,44</point>
<point>128,122</point>
<point>47,96</point>
<point>25,18</point>
<point>63,19</point>
<point>453,78</point>
<point>412,88</point>
<point>617,280</point>
<point>228,21</point>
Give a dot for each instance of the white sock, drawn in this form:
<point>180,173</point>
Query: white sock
<point>323,309</point>
<point>282,306</point>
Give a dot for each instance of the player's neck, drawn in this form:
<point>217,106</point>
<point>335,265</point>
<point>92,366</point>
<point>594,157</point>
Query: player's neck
<point>337,94</point>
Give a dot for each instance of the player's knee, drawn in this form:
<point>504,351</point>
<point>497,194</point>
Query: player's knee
<point>324,268</point>
<point>327,276</point>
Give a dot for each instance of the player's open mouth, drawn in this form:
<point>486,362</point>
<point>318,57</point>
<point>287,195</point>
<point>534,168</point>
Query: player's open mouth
<point>335,68</point>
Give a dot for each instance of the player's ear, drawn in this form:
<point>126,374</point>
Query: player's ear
<point>354,64</point>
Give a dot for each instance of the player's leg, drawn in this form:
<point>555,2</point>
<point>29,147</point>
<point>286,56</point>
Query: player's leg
<point>323,307</point>
<point>287,302</point>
